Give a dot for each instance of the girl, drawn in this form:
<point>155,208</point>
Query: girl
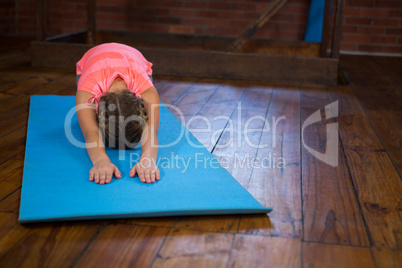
<point>116,100</point>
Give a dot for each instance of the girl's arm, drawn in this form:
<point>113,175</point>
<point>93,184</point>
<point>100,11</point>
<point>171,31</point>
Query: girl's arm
<point>102,170</point>
<point>146,168</point>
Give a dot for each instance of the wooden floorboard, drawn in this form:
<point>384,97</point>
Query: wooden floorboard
<point>215,223</point>
<point>376,181</point>
<point>192,100</point>
<point>387,123</point>
<point>218,110</point>
<point>10,177</point>
<point>227,148</point>
<point>263,251</point>
<point>27,86</point>
<point>186,248</point>
<point>16,59</point>
<point>330,210</point>
<point>381,99</point>
<point>275,182</point>
<point>15,75</point>
<point>13,114</point>
<point>236,144</point>
<point>47,245</point>
<point>13,143</point>
<point>343,216</point>
<point>11,203</point>
<point>123,246</point>
<point>328,255</point>
<point>385,257</point>
<point>9,103</point>
<point>172,90</point>
<point>13,120</point>
<point>158,222</point>
<point>10,232</point>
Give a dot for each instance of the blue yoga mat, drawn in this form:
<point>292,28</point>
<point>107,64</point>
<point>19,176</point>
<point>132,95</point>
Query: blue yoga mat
<point>55,184</point>
<point>315,21</point>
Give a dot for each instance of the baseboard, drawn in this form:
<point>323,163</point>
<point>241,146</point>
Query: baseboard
<point>382,54</point>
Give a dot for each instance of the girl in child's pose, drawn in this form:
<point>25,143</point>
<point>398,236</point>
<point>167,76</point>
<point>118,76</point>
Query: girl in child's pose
<point>116,98</point>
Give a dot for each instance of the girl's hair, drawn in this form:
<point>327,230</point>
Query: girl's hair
<point>122,118</point>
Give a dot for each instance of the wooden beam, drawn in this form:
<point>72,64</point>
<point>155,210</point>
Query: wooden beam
<point>337,33</point>
<point>40,20</point>
<point>91,20</point>
<point>326,28</point>
<point>210,64</point>
<point>271,10</point>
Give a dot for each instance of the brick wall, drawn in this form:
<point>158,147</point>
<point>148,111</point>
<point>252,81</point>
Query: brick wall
<point>369,25</point>
<point>26,16</point>
<point>203,17</point>
<point>372,26</point>
<point>66,16</point>
<point>7,16</point>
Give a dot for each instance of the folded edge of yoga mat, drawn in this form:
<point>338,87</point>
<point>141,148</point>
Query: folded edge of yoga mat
<point>55,183</point>
<point>315,21</point>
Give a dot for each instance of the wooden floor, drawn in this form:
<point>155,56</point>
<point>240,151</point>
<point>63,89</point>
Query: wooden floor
<point>344,216</point>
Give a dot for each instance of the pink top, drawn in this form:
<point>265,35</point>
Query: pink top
<point>100,66</point>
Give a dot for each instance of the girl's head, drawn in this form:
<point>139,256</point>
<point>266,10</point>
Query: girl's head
<point>122,119</point>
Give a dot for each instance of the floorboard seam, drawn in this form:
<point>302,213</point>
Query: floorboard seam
<point>185,93</point>
<point>356,195</point>
<point>262,130</point>
<point>301,164</point>
<point>139,224</point>
<point>10,212</point>
<point>16,82</point>
<point>231,249</point>
<point>14,246</point>
<point>66,87</point>
<point>335,244</point>
<point>7,93</point>
<point>160,248</point>
<point>378,137</point>
<point>301,253</point>
<point>223,130</point>
<point>301,181</point>
<point>352,182</point>
<point>372,257</point>
<point>1,200</point>
<point>49,81</point>
<point>175,222</point>
<point>103,225</point>
<point>215,90</point>
<point>4,160</point>
<point>13,132</point>
<point>217,232</point>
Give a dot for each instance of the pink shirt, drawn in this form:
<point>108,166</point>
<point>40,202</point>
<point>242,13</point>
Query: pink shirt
<point>100,66</point>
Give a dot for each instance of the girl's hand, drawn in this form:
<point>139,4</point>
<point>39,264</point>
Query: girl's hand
<point>146,169</point>
<point>102,172</point>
